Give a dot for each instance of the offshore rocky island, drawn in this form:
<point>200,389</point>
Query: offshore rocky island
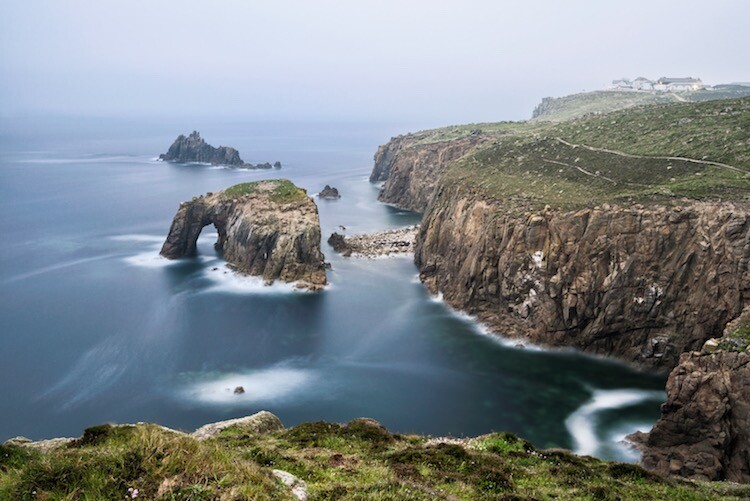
<point>194,149</point>
<point>623,233</point>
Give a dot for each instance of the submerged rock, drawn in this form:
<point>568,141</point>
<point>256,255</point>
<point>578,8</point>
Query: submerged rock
<point>193,148</point>
<point>329,193</point>
<point>266,228</point>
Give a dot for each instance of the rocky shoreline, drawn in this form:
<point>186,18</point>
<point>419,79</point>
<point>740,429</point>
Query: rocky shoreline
<point>374,245</point>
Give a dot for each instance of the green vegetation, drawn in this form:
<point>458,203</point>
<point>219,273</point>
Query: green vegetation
<point>281,191</point>
<point>565,108</point>
<point>738,338</point>
<point>564,165</point>
<point>359,460</point>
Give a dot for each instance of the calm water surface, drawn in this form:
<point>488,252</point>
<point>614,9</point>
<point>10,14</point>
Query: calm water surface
<point>95,327</point>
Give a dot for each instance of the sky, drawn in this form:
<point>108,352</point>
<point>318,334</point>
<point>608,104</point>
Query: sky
<point>435,61</point>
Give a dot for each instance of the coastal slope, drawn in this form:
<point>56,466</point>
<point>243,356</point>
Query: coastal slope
<point>269,229</point>
<point>623,234</point>
<point>257,458</point>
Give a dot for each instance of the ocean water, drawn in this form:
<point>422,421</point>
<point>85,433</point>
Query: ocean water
<point>96,327</point>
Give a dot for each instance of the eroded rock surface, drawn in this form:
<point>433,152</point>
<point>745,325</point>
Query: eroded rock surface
<point>269,229</point>
<point>258,423</point>
<point>641,284</point>
<point>704,429</point>
<point>330,193</point>
<point>411,169</point>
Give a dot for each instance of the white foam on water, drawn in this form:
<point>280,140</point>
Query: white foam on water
<point>55,267</point>
<point>582,423</point>
<point>150,259</point>
<point>261,386</point>
<point>482,329</point>
<point>226,280</point>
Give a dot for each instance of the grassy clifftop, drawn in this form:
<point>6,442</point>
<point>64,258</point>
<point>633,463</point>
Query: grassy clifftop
<point>560,109</point>
<point>645,154</point>
<point>358,460</point>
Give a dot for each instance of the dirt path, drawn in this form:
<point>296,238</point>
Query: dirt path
<point>629,155</point>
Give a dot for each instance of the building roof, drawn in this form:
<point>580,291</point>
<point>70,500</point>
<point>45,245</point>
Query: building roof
<point>678,80</point>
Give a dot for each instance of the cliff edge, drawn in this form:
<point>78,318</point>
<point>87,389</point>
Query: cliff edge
<point>266,228</point>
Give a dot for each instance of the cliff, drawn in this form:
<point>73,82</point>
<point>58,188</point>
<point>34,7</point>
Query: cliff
<point>266,228</point>
<point>411,166</point>
<point>623,234</point>
<point>704,429</point>
<point>257,458</point>
<point>194,149</point>
<point>640,284</point>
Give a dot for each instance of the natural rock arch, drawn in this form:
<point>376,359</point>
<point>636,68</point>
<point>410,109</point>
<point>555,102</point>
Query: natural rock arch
<point>268,228</point>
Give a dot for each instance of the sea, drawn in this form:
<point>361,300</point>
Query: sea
<point>96,327</point>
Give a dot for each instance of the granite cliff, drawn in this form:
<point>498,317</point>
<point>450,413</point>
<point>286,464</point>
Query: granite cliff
<point>624,234</point>
<point>266,228</point>
<point>194,149</point>
<point>704,429</point>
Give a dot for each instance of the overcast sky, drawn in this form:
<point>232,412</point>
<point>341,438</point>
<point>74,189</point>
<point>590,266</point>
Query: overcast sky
<point>432,60</point>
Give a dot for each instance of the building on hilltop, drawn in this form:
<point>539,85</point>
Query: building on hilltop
<point>664,84</point>
<point>621,84</point>
<point>672,84</point>
<point>642,83</point>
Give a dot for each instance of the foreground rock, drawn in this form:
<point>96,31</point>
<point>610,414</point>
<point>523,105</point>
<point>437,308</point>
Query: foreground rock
<point>382,243</point>
<point>258,423</point>
<point>193,149</point>
<point>704,429</point>
<point>329,193</point>
<point>266,228</point>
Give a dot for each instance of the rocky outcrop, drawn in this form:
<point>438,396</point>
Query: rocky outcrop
<point>329,193</point>
<point>267,228</point>
<point>381,243</point>
<point>704,429</point>
<point>193,149</point>
<point>641,284</point>
<point>411,168</point>
<point>259,423</point>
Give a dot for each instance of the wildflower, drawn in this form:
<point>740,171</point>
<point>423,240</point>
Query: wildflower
<point>133,493</point>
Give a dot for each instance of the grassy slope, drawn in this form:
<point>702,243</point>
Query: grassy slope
<point>360,460</point>
<point>574,106</point>
<point>279,190</point>
<point>532,168</point>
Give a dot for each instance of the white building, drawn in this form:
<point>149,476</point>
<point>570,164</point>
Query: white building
<point>672,84</point>
<point>642,83</point>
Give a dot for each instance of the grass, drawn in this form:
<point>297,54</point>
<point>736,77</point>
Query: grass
<point>357,460</point>
<point>281,191</point>
<point>532,168</point>
<point>597,102</point>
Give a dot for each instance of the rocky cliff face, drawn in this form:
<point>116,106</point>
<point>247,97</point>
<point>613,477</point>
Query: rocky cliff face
<point>411,169</point>
<point>267,228</point>
<point>192,148</point>
<point>704,430</point>
<point>640,284</point>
